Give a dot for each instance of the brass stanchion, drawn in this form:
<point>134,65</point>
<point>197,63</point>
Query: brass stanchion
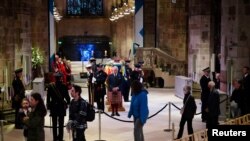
<point>169,118</point>
<point>2,121</point>
<point>173,133</point>
<point>100,131</point>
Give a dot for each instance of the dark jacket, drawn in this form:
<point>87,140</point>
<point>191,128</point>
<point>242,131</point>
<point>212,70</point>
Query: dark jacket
<point>57,99</point>
<point>135,75</point>
<point>35,125</point>
<point>246,91</point>
<point>190,107</point>
<point>21,114</point>
<point>101,77</point>
<point>115,81</point>
<point>237,96</point>
<point>213,103</point>
<point>127,73</point>
<point>204,87</point>
<point>78,113</point>
<point>19,92</point>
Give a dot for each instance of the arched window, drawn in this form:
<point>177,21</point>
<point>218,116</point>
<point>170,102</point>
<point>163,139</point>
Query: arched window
<point>84,8</point>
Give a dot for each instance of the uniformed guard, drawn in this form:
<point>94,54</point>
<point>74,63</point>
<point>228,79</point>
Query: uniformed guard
<point>57,102</point>
<point>126,84</point>
<point>100,87</point>
<point>92,61</point>
<point>90,84</point>
<point>204,92</point>
<point>19,94</point>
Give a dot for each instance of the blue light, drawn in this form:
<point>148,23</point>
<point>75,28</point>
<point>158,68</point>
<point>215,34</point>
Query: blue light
<point>86,51</point>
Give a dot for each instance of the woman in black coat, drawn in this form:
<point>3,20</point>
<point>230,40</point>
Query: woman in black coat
<point>188,111</point>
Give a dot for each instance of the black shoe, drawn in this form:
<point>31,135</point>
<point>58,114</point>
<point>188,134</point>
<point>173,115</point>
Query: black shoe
<point>112,114</point>
<point>117,114</point>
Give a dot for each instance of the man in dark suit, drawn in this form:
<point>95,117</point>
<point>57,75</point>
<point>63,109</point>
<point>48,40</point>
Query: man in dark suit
<point>188,112</point>
<point>57,102</point>
<point>246,89</point>
<point>19,94</point>
<point>100,87</point>
<point>213,106</point>
<point>126,83</point>
<point>114,88</point>
<point>204,92</point>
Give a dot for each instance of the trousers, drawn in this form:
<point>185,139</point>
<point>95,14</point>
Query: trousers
<point>138,130</point>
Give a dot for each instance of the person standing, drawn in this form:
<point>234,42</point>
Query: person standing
<point>127,82</point>
<point>77,115</point>
<point>100,87</point>
<point>23,112</point>
<point>138,109</point>
<point>114,88</point>
<point>90,83</point>
<point>188,111</point>
<point>92,61</point>
<point>19,94</point>
<point>57,102</point>
<point>204,92</point>
<point>246,89</point>
<point>35,119</point>
<point>213,106</point>
<point>135,74</point>
<point>217,81</point>
<point>236,99</point>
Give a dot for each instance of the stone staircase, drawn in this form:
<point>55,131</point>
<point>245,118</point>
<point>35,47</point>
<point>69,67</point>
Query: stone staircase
<point>163,64</point>
<point>169,80</point>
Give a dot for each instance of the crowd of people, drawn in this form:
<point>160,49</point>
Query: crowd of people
<point>115,81</point>
<point>210,100</point>
<point>63,66</point>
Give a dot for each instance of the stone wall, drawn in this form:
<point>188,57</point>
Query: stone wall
<point>123,36</point>
<point>23,24</point>
<point>235,39</point>
<point>199,51</point>
<point>78,26</point>
<point>172,28</point>
<point>149,23</point>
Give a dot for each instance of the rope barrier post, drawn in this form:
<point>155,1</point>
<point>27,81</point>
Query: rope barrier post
<point>99,112</point>
<point>173,133</point>
<point>2,139</point>
<point>169,118</point>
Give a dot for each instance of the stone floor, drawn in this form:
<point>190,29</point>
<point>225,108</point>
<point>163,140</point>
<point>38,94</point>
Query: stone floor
<point>116,130</point>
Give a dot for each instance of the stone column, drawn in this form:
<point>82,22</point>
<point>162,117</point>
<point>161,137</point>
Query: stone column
<point>235,38</point>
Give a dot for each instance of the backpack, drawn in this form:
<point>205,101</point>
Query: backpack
<point>90,112</point>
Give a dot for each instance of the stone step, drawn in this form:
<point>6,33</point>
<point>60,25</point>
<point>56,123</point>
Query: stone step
<point>8,114</point>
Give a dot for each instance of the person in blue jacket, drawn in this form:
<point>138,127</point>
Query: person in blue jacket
<point>138,109</point>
